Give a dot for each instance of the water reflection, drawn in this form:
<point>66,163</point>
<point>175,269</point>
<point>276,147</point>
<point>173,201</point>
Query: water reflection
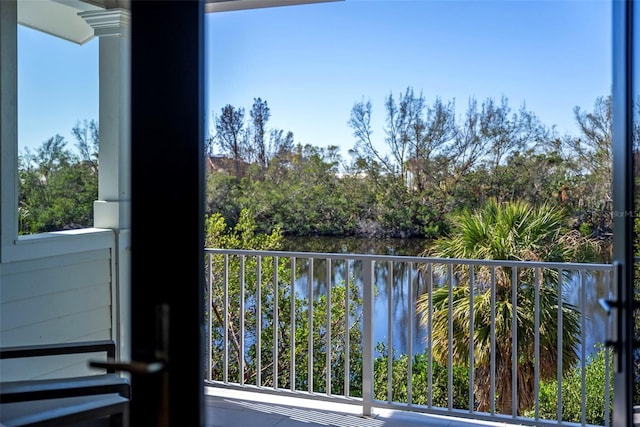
<point>355,245</point>
<point>398,284</point>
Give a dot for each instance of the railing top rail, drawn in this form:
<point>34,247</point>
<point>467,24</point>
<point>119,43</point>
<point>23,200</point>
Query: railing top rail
<point>415,259</point>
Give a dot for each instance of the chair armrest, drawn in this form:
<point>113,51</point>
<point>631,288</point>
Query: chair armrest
<point>18,391</point>
<point>107,346</point>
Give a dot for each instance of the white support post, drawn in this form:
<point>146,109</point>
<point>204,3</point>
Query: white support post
<point>113,207</point>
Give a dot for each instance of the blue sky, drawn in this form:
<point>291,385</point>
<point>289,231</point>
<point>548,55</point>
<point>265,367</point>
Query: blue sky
<point>311,63</point>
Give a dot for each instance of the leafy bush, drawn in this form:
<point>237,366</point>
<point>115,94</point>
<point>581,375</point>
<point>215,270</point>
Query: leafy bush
<point>595,387</point>
<point>420,381</point>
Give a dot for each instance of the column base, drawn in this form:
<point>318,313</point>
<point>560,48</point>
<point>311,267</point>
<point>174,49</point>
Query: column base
<point>114,215</point>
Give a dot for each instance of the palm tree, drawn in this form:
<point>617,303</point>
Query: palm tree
<point>514,231</point>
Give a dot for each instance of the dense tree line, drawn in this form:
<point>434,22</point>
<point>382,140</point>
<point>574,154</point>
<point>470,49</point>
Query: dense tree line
<point>435,163</point>
<point>57,186</point>
<point>428,163</point>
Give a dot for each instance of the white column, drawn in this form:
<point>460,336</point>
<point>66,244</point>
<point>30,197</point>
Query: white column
<point>112,209</point>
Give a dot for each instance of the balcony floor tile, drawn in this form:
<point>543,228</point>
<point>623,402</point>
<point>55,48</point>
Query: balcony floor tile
<point>233,408</point>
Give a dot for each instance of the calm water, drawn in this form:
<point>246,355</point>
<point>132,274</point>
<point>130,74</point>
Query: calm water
<point>578,293</point>
<point>355,245</point>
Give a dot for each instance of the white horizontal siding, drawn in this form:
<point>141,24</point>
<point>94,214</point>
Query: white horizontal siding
<point>49,245</point>
<point>63,366</point>
<point>43,308</point>
<point>42,276</point>
<point>61,329</point>
<point>57,299</point>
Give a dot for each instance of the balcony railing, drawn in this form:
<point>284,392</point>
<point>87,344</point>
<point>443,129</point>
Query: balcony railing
<point>394,332</point>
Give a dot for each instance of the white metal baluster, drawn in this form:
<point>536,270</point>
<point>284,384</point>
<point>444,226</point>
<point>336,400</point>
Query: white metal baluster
<point>514,342</point>
<point>492,367</point>
<point>210,317</point>
<point>276,322</point>
<point>536,344</point>
<point>607,362</point>
<point>450,340</point>
<point>259,321</point>
<point>471,336</point>
<point>607,387</point>
<point>328,352</point>
<point>225,309</point>
<point>412,318</point>
<point>367,338</point>
<point>242,312</point>
<point>347,343</point>
<point>583,361</point>
<point>292,350</point>
<point>560,351</point>
<point>389,332</point>
<point>310,334</point>
<point>430,335</point>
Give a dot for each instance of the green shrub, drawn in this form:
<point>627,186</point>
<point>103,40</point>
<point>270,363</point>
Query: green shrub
<point>595,393</point>
<point>420,381</point>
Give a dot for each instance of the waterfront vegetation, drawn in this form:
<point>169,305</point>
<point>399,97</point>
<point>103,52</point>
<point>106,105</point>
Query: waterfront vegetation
<point>428,174</point>
<point>410,178</point>
<point>407,180</point>
<point>252,361</point>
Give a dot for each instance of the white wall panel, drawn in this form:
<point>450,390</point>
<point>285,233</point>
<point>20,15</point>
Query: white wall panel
<point>57,299</point>
<point>45,307</point>
<point>42,276</point>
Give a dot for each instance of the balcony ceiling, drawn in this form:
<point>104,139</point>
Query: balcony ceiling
<point>60,17</point>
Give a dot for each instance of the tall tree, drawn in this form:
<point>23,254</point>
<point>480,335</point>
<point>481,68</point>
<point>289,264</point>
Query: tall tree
<point>398,124</point>
<point>366,149</point>
<point>231,136</point>
<point>87,141</point>
<point>506,131</point>
<point>260,115</point>
<point>415,135</point>
<point>281,144</point>
<point>56,189</point>
<point>592,152</point>
<point>428,142</point>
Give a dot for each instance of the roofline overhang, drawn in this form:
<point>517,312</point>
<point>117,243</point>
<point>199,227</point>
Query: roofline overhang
<point>60,17</point>
<point>231,5</point>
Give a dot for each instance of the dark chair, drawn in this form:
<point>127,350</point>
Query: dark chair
<point>110,382</point>
<point>101,399</point>
<point>97,410</point>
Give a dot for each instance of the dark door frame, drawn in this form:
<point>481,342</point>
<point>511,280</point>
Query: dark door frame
<point>623,90</point>
<point>167,209</point>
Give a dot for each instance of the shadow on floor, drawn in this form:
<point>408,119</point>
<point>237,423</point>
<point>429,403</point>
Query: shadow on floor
<point>230,408</point>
